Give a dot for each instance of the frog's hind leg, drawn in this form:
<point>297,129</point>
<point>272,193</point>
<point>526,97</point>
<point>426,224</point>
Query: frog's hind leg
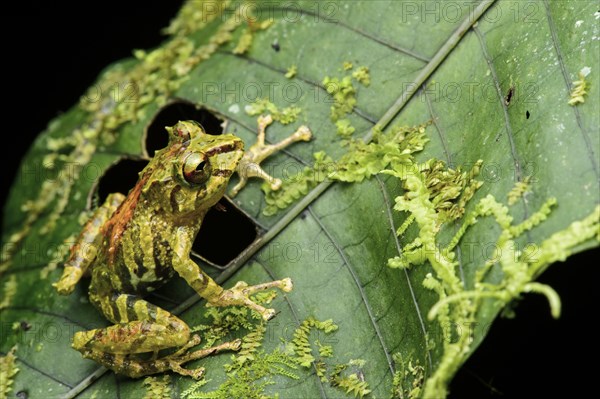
<point>126,365</point>
<point>141,327</point>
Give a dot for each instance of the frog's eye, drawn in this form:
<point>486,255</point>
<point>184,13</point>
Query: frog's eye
<point>196,169</point>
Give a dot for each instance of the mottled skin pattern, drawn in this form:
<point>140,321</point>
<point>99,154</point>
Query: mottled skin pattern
<point>132,245</point>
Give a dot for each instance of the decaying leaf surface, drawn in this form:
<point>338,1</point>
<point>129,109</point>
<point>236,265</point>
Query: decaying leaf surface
<point>501,95</point>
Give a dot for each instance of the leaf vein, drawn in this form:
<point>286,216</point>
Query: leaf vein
<point>388,207</point>
<point>360,290</point>
<point>507,125</point>
<point>361,113</point>
<point>47,313</point>
<point>356,30</point>
<point>296,319</point>
<point>449,161</point>
<point>32,367</point>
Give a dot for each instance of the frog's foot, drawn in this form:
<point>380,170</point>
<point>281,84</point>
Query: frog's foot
<point>249,165</point>
<point>239,295</point>
<point>179,358</point>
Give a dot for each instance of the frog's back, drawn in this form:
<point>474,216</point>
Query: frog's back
<point>144,258</point>
<point>136,259</point>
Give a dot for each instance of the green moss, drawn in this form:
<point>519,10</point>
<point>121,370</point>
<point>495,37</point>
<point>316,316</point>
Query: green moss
<point>302,346</point>
<point>247,36</point>
<point>251,342</point>
<point>449,189</point>
<point>456,304</point>
<point>244,42</point>
<point>10,289</point>
<point>324,350</point>
<point>520,188</point>
<point>248,381</point>
<point>193,16</point>
<point>341,375</point>
<point>8,370</point>
<point>408,379</point>
<point>158,387</point>
<point>264,106</point>
<point>362,160</point>
<point>580,88</point>
<point>344,128</point>
<point>343,91</point>
<point>224,322</point>
<point>291,72</point>
<point>344,96</point>
<point>321,370</point>
<point>349,382</point>
<point>251,370</point>
<point>362,75</point>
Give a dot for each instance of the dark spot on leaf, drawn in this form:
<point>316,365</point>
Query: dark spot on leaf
<point>527,114</point>
<point>119,178</point>
<point>275,46</point>
<point>226,231</point>
<point>22,395</point>
<point>156,136</point>
<point>25,326</point>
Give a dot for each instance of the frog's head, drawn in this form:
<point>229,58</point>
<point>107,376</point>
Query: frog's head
<point>191,174</point>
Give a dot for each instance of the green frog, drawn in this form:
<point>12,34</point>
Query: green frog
<point>133,244</point>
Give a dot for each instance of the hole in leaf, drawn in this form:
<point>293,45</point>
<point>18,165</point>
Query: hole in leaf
<point>275,46</point>
<point>509,95</point>
<point>119,178</point>
<point>527,114</point>
<point>25,326</point>
<point>170,114</point>
<point>226,231</point>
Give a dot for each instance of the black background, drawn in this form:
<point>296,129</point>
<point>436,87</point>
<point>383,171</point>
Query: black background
<point>52,53</point>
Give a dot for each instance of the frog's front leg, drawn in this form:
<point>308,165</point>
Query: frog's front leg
<point>84,251</point>
<point>239,295</point>
<point>216,295</point>
<point>143,327</point>
<point>249,165</point>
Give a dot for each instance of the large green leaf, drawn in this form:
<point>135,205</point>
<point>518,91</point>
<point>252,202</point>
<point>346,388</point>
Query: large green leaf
<point>454,63</point>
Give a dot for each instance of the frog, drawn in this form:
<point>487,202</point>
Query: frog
<point>133,244</point>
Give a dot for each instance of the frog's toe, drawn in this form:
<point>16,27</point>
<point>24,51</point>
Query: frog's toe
<point>287,285</point>
<point>268,314</point>
<point>240,294</point>
<point>82,339</point>
<point>236,344</point>
<point>196,373</point>
<point>176,361</point>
